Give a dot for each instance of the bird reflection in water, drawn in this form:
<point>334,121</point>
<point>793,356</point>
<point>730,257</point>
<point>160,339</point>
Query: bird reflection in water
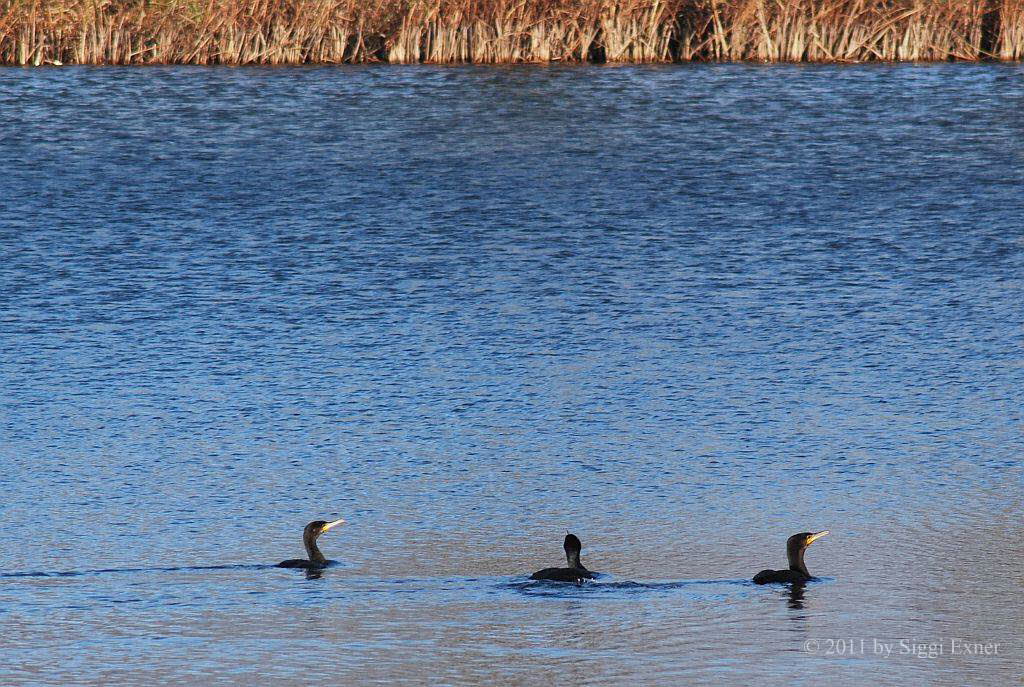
<point>796,595</point>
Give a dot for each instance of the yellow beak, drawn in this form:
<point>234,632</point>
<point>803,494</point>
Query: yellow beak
<point>817,535</point>
<point>332,525</point>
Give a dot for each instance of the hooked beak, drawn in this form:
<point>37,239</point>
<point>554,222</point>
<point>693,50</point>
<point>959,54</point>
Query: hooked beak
<point>332,525</point>
<point>816,535</point>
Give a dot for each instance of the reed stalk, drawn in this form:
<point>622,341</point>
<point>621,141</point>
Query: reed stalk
<point>1010,45</point>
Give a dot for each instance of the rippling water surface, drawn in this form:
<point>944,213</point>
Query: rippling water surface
<point>683,312</point>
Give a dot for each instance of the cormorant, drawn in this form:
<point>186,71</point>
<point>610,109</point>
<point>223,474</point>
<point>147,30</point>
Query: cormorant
<point>576,572</point>
<point>309,535</point>
<point>797,572</point>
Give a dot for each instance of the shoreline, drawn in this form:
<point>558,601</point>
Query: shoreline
<point>324,32</point>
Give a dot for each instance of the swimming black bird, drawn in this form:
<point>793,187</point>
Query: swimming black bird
<point>309,535</point>
<point>576,572</point>
<point>795,547</point>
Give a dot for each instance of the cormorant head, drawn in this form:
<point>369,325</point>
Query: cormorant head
<point>795,547</point>
<point>318,527</point>
<point>572,548</point>
<point>799,542</point>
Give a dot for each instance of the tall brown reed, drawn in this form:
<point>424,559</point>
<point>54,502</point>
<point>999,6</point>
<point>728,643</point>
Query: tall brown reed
<point>1011,30</point>
<point>505,31</point>
<point>845,30</point>
<point>195,32</point>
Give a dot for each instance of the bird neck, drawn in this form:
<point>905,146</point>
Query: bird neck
<point>796,561</point>
<point>573,559</point>
<point>313,551</point>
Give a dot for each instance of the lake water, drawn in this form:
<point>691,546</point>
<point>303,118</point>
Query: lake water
<point>682,311</point>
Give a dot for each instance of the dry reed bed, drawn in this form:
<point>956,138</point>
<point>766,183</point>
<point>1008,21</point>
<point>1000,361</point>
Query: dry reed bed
<point>505,31</point>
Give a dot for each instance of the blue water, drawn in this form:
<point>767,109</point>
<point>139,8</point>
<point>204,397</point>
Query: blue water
<point>684,312</point>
